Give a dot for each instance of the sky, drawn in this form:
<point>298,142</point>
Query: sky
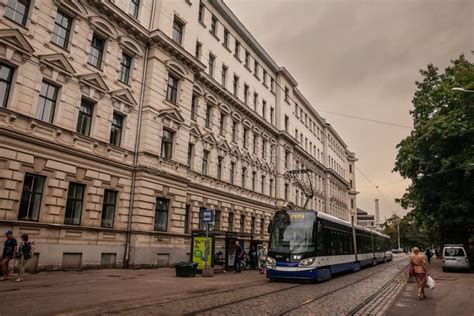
<point>362,58</point>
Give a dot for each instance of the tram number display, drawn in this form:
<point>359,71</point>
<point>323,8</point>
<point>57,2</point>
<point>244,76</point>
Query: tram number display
<point>297,216</point>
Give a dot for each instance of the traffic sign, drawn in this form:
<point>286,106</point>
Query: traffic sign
<point>207,215</point>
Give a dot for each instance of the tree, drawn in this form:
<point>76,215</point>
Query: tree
<point>412,233</point>
<point>438,155</point>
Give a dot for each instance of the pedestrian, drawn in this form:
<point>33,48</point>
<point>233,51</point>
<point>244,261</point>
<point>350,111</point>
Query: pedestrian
<point>418,263</point>
<point>253,257</point>
<point>261,259</point>
<point>238,257</point>
<point>26,250</point>
<point>9,251</point>
<point>428,255</point>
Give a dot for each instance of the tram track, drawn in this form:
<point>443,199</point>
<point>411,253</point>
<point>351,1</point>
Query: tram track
<point>286,311</point>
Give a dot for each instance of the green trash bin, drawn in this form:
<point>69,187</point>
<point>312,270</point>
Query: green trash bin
<point>186,269</point>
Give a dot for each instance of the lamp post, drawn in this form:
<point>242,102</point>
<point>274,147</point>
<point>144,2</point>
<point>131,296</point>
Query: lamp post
<point>462,90</point>
<point>354,242</point>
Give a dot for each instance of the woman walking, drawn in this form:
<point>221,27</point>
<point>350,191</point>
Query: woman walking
<point>25,252</point>
<point>418,264</point>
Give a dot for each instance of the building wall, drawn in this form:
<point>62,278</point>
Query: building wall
<point>137,168</point>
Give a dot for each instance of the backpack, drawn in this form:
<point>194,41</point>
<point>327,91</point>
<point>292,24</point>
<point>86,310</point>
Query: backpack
<point>26,250</point>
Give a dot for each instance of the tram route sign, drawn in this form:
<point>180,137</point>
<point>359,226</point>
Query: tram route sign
<point>206,215</point>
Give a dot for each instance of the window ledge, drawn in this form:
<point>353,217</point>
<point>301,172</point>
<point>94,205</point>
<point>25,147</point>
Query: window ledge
<point>238,58</point>
<point>215,36</point>
<point>202,24</point>
<point>256,76</point>
<point>227,48</point>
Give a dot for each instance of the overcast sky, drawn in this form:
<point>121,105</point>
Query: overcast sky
<point>362,58</point>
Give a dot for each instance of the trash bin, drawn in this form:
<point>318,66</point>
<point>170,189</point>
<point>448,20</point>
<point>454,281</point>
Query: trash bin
<point>186,269</point>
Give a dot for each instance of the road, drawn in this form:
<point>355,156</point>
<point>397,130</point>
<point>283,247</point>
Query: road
<point>144,292</point>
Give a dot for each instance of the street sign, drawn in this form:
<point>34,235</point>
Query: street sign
<point>207,215</point>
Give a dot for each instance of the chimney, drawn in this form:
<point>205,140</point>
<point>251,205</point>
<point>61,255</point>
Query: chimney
<point>377,213</point>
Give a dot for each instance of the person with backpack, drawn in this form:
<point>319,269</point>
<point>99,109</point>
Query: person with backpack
<point>9,251</point>
<point>25,252</point>
<point>238,257</point>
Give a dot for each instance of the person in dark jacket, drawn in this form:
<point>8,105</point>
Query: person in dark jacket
<point>428,255</point>
<point>238,257</point>
<point>9,251</point>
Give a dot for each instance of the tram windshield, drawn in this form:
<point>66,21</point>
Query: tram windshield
<point>292,232</point>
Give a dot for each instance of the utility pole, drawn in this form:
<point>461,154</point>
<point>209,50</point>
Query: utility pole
<point>398,232</point>
<point>354,242</point>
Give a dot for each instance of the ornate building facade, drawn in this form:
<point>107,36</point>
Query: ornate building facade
<point>120,120</point>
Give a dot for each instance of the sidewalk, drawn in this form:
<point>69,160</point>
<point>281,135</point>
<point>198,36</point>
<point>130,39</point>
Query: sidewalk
<point>56,292</point>
<point>453,295</point>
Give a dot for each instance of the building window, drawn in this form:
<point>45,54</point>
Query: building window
<point>264,109</point>
<point>177,34</point>
<point>271,187</point>
<point>61,30</point>
<point>31,195</point>
<point>85,117</point>
<point>264,149</point>
<point>255,101</point>
<point>190,155</point>
<point>255,69</point>
<point>217,219</point>
<point>198,50</point>
<point>116,130</point>
<point>212,60</point>
<point>75,200</point>
<point>205,162</point>
<point>167,144</point>
<point>287,159</point>
<point>226,38</point>
<point>254,179</point>
<point>236,85</point>
<point>221,124</point>
<point>161,214</point>
<point>265,77</point>
<point>242,223</point>
<point>247,59</point>
<point>208,116</point>
<point>352,203</point>
<point>194,105</point>
<point>214,25</point>
<point>262,225</point>
<point>297,111</point>
<point>133,8</point>
<point>255,143</point>
<point>272,153</point>
<point>286,191</point>
<point>272,115</point>
<point>246,135</point>
<point>263,184</point>
<point>108,208</point>
<point>230,222</point>
<point>244,177</point>
<point>232,172</point>
<point>350,183</point>
<point>172,89</point>
<point>272,85</point>
<point>287,94</point>
<point>201,13</point>
<point>252,225</point>
<point>246,93</point>
<point>297,195</point>
<point>96,51</point>
<point>224,76</point>
<point>287,120</point>
<point>47,102</point>
<point>125,66</point>
<point>17,11</point>
<point>187,215</point>
<point>296,134</point>
<point>6,75</point>
<point>220,159</point>
<point>350,168</point>
<point>237,49</point>
<point>234,131</point>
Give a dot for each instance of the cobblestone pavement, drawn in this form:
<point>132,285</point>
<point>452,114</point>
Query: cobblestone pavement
<point>337,296</point>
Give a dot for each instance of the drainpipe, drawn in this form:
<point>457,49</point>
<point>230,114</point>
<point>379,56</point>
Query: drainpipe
<point>126,258</point>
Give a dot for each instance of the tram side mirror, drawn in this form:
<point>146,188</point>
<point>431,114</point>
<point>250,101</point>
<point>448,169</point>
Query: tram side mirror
<point>270,228</point>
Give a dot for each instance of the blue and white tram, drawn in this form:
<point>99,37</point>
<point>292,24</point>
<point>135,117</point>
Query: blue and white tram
<point>310,245</point>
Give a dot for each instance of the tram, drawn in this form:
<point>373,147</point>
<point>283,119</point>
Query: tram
<point>310,245</point>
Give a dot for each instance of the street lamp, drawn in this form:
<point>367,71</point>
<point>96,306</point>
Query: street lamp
<point>462,90</point>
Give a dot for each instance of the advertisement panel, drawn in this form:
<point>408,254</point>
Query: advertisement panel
<point>201,250</point>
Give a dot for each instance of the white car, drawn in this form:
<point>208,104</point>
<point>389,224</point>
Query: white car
<point>454,258</point>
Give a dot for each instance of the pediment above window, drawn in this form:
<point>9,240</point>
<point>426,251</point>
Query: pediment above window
<point>198,89</point>
<point>195,131</point>
<point>130,46</point>
<point>236,152</point>
<point>224,108</point>
<point>103,27</point>
<point>176,68</point>
<point>237,116</point>
<point>210,98</point>
<point>265,136</point>
<point>209,138</point>
<point>17,46</point>
<point>224,145</point>
<point>247,123</point>
<point>124,96</point>
<point>94,81</point>
<point>172,114</point>
<point>74,7</point>
<point>273,142</point>
<point>257,130</point>
<point>58,63</point>
<point>247,157</point>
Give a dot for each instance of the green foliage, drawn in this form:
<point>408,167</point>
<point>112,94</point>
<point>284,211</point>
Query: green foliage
<point>412,233</point>
<point>438,156</point>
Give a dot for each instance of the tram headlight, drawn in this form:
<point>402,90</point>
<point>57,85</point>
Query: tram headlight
<point>307,262</point>
<point>270,262</point>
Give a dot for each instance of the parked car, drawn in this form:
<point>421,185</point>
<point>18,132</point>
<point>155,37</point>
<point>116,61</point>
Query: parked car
<point>454,258</point>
